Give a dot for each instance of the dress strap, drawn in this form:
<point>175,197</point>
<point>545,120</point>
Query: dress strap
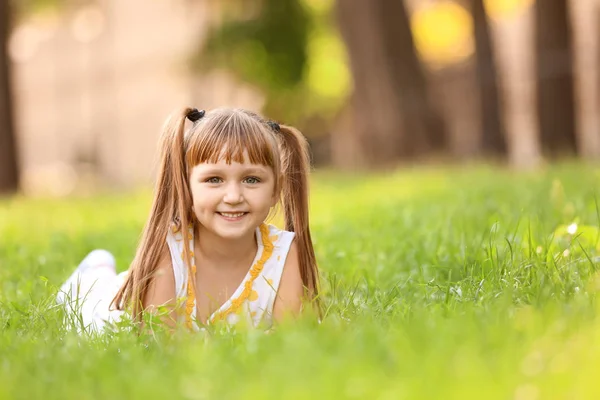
<point>184,287</point>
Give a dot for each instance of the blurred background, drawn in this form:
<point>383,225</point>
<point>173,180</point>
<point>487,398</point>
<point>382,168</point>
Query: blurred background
<point>85,85</point>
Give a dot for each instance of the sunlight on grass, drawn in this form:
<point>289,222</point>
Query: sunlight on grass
<point>448,283</point>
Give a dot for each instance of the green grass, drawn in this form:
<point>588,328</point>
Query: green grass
<point>438,283</point>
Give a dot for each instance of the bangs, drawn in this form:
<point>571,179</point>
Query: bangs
<point>230,135</point>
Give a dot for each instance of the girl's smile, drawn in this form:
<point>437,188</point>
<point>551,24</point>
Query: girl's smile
<point>232,216</point>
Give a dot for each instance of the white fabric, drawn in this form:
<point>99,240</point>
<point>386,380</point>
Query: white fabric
<point>87,294</point>
<point>89,291</point>
<point>257,310</point>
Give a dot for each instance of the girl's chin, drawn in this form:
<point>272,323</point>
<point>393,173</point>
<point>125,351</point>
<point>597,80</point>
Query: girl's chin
<point>231,230</point>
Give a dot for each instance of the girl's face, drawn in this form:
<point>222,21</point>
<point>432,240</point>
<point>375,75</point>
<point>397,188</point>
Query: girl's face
<point>231,200</point>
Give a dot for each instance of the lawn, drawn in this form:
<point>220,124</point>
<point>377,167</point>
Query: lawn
<point>438,283</point>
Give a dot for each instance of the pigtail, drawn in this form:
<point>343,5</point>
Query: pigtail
<point>171,209</point>
<point>295,167</point>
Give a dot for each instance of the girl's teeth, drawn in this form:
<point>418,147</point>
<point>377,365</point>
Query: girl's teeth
<point>231,215</point>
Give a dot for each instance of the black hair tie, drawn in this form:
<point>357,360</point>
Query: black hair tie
<point>194,115</point>
<point>274,125</point>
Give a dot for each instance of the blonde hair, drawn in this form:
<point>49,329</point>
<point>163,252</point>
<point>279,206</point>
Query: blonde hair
<point>227,134</point>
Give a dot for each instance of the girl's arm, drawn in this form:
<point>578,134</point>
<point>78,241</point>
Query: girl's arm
<point>161,292</point>
<point>291,290</point>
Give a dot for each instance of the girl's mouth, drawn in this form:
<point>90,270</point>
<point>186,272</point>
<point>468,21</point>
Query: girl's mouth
<point>232,216</point>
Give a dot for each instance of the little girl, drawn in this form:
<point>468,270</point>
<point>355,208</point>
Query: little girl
<point>206,253</point>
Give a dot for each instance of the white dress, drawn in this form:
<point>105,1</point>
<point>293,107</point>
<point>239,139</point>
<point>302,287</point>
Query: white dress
<point>87,294</point>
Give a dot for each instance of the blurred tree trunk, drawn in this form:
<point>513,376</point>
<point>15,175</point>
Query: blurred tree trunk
<point>392,115</point>
<point>493,138</point>
<point>555,84</point>
<point>8,157</point>
<point>423,128</point>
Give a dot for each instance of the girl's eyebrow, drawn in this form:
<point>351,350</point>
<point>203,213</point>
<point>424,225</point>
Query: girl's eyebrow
<point>255,170</point>
<point>210,171</point>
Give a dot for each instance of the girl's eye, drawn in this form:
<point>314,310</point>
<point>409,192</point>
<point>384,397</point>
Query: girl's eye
<point>213,179</point>
<point>252,180</point>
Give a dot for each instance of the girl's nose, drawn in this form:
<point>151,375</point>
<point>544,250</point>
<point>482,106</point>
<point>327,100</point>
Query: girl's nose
<point>233,194</point>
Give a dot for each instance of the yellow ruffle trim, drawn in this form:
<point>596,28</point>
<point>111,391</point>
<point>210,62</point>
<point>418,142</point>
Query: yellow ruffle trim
<point>237,302</point>
<point>179,238</point>
<point>190,303</point>
<point>254,272</point>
